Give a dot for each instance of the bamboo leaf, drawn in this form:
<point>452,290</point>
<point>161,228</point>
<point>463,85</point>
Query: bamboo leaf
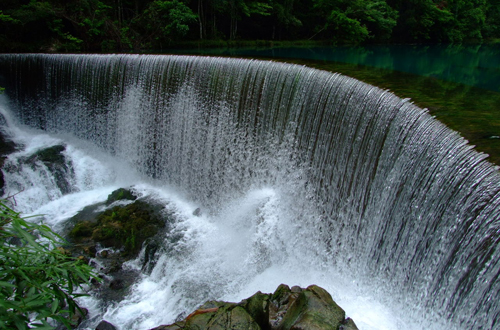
<point>55,306</point>
<point>7,284</point>
<point>35,279</point>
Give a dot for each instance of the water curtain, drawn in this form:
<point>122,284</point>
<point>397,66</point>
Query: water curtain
<point>379,187</point>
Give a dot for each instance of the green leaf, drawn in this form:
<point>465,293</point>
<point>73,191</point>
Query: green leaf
<point>7,284</point>
<point>35,280</point>
<point>55,306</point>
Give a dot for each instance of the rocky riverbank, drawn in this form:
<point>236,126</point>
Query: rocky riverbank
<point>295,308</point>
<point>287,308</point>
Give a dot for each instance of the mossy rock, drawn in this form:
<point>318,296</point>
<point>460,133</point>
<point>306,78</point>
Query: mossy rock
<point>51,155</point>
<point>281,295</point>
<point>123,227</point>
<point>225,316</point>
<point>119,195</point>
<point>82,229</point>
<point>258,307</point>
<point>240,319</point>
<point>292,309</point>
<point>127,226</point>
<point>314,308</point>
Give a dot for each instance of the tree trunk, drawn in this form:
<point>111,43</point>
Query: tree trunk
<point>201,18</point>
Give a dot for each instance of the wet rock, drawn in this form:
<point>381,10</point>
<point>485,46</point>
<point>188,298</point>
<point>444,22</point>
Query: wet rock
<point>104,253</point>
<point>285,309</point>
<point>151,248</point>
<point>123,227</point>
<point>120,195</point>
<point>127,227</point>
<point>112,267</point>
<point>88,213</point>
<point>280,300</point>
<point>258,307</point>
<point>114,287</point>
<point>348,325</point>
<point>174,326</point>
<point>83,229</point>
<point>116,284</point>
<point>55,161</point>
<point>313,308</point>
<point>110,234</point>
<point>50,156</point>
<point>6,147</point>
<point>104,325</point>
<point>225,316</point>
<point>78,317</point>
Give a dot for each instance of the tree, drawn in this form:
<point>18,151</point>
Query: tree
<point>379,17</point>
<point>239,8</point>
<point>167,20</point>
<point>38,282</point>
<point>469,19</point>
<point>283,16</point>
<point>492,22</point>
<point>355,20</point>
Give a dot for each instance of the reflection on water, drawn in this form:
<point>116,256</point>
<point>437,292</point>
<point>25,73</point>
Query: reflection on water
<point>473,65</point>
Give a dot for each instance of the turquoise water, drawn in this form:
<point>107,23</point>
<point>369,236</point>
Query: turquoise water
<point>473,65</point>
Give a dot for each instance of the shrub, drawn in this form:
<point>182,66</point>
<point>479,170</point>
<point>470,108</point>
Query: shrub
<point>38,282</point>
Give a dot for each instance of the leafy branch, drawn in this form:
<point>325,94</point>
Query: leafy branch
<point>38,282</point>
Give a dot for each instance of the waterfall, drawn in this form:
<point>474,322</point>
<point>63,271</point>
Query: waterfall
<point>349,179</point>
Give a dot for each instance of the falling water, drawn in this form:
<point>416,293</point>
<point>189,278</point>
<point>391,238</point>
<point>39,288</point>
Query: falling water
<point>302,176</point>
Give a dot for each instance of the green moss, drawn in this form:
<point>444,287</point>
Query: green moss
<point>127,226</point>
<point>51,155</point>
<point>82,230</point>
<point>120,194</point>
<point>123,227</point>
<point>280,296</point>
<point>258,307</point>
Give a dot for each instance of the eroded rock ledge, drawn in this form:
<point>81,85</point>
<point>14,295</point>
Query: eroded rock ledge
<point>295,309</point>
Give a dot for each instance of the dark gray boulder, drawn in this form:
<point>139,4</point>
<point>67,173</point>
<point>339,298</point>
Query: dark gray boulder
<point>104,325</point>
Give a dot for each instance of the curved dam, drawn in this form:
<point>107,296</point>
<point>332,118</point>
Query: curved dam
<point>300,169</point>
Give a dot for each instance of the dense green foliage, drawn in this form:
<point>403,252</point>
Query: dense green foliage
<point>109,25</point>
<point>37,281</point>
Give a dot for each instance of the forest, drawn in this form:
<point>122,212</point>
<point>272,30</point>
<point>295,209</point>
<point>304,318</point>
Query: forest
<point>133,25</point>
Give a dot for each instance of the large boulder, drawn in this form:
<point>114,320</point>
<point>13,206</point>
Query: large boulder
<point>285,309</point>
<point>312,308</point>
<point>104,325</point>
<point>114,231</point>
<point>122,227</point>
